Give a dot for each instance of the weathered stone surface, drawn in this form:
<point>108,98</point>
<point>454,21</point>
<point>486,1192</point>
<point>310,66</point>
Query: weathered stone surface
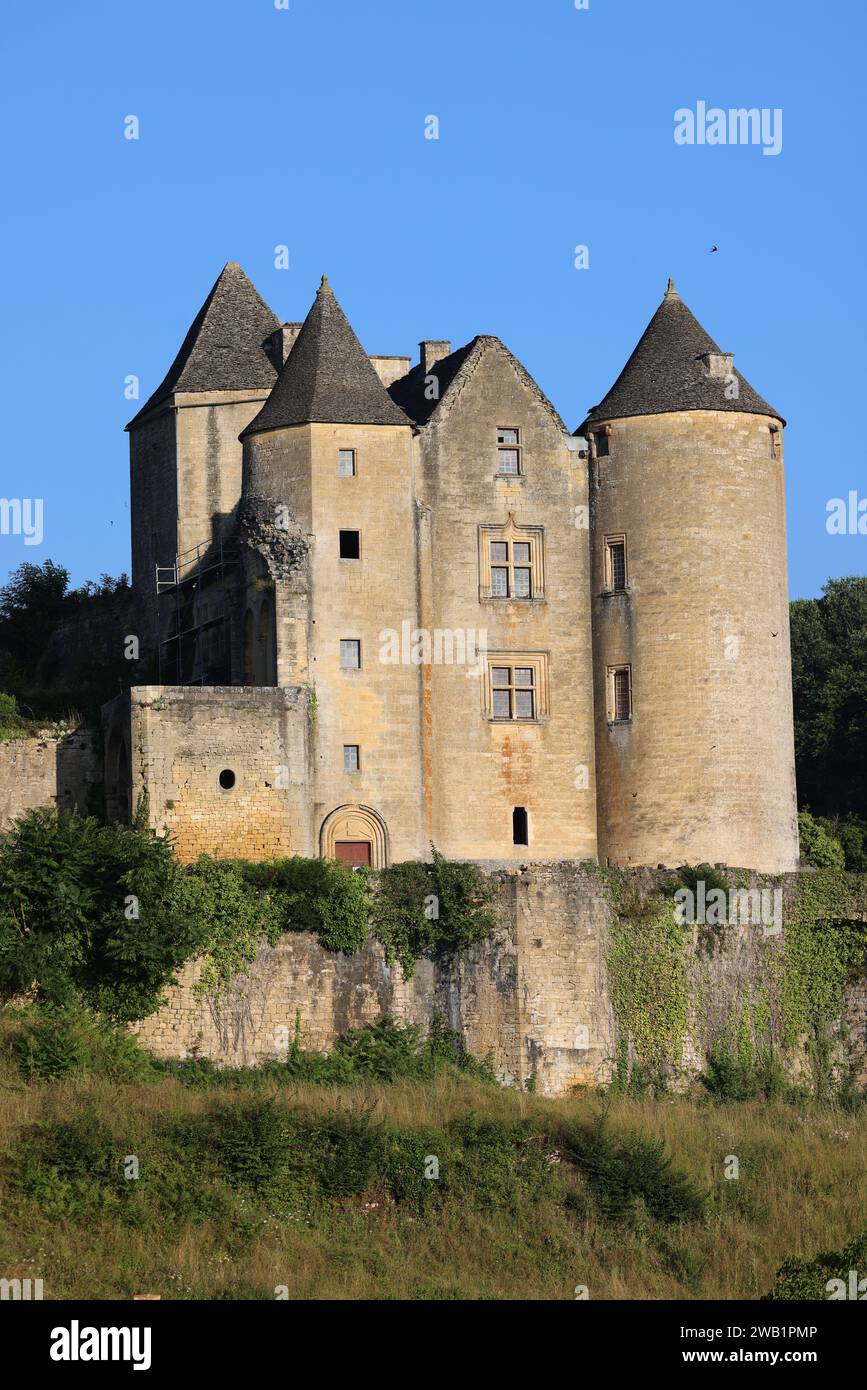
<point>64,771</point>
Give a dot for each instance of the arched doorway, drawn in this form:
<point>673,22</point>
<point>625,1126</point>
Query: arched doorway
<point>357,835</point>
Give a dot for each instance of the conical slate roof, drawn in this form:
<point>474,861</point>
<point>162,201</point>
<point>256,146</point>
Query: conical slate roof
<point>223,348</point>
<point>666,372</point>
<point>327,377</point>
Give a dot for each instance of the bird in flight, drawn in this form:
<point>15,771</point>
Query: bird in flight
<point>712,249</point>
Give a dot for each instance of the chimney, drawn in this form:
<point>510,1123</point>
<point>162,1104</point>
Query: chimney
<point>281,342</point>
<point>718,364</point>
<point>432,350</point>
<point>390,369</point>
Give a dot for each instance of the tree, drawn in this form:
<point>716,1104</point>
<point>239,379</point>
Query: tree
<point>829,674</point>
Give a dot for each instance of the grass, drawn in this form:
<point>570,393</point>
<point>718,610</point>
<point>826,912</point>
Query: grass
<point>249,1184</point>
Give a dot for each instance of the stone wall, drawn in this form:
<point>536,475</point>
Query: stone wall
<point>180,741</point>
<point>535,997</point>
<point>63,770</point>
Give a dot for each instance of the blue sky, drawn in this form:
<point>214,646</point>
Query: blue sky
<point>305,127</point>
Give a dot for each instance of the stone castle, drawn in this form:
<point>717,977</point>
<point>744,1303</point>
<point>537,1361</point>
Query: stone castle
<point>387,605</point>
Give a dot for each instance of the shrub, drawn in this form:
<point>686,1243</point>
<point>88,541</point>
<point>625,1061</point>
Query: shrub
<point>799,1279</point>
<point>12,724</point>
<point>634,1171</point>
<point>818,847</point>
<point>317,895</point>
<point>50,1044</point>
<point>733,1076</point>
<point>236,915</point>
<point>94,914</point>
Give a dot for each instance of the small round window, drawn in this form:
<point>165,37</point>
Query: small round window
<point>227,779</point>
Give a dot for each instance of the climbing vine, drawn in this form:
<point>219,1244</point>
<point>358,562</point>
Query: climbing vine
<point>647,973</point>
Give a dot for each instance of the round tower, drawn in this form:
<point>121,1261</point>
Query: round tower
<point>694,733</point>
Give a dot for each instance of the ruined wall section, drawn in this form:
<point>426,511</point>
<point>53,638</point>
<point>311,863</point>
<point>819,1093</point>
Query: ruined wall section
<point>51,770</point>
<point>225,769</point>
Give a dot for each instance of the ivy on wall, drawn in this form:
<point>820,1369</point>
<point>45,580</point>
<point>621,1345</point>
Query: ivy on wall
<point>795,997</point>
<point>647,964</point>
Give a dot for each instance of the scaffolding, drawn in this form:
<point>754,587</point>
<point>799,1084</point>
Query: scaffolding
<point>203,566</point>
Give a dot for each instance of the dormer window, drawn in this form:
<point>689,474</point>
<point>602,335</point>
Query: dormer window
<point>508,452</point>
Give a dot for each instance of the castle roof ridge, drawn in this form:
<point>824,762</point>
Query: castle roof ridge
<point>453,373</point>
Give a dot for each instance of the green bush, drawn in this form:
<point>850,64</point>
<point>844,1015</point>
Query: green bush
<point>691,875</point>
<point>236,916</point>
<point>798,1279</point>
<point>12,724</point>
<point>94,914</point>
<point>383,1051</point>
<point>50,1044</point>
<point>818,847</point>
<point>633,1172</point>
<point>729,1077</point>
<point>316,895</point>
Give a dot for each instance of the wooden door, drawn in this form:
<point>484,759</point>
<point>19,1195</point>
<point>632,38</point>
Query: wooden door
<point>353,852</point>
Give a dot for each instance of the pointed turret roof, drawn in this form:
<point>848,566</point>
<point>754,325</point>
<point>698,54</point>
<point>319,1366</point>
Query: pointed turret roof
<point>327,377</point>
<point>667,371</point>
<point>223,348</point>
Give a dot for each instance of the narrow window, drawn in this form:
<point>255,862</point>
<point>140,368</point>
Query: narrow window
<point>508,452</point>
<point>350,545</point>
<point>351,759</point>
<point>350,654</point>
<point>346,463</point>
<point>602,445</point>
<point>774,432</point>
<point>615,564</point>
<point>519,826</point>
<point>621,703</point>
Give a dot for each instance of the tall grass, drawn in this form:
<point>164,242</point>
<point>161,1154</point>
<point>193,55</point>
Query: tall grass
<point>324,1187</point>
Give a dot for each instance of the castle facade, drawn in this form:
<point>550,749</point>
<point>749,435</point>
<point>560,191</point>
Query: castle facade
<point>386,605</point>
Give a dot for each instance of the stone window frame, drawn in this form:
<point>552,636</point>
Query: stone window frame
<point>354,453</point>
<point>617,538</point>
<point>538,661</point>
<point>348,748</point>
<point>514,447</point>
<point>776,435</point>
<point>602,432</point>
<point>357,642</point>
<point>612,672</point>
<point>511,532</point>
